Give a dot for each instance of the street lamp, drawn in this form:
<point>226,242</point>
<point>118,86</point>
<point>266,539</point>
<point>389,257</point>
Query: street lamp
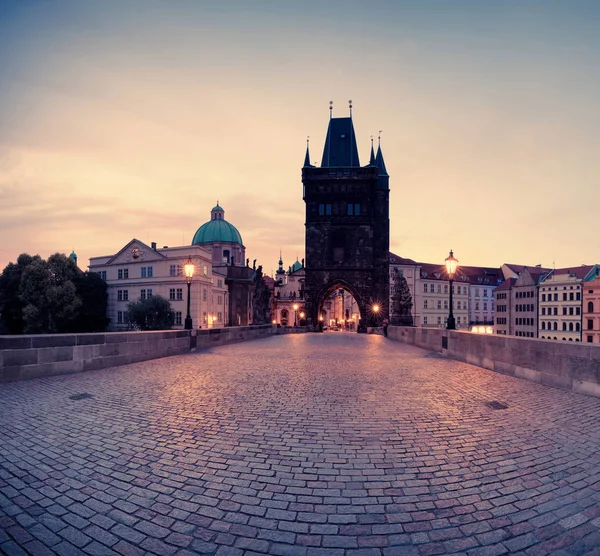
<point>189,272</point>
<point>295,313</point>
<point>451,265</point>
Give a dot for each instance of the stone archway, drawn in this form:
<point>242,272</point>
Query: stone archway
<point>324,294</point>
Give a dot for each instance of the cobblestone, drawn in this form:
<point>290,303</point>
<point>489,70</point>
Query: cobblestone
<point>301,445</point>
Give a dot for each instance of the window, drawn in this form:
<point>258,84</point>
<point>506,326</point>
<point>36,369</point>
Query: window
<point>439,288</point>
<point>143,272</point>
<point>439,304</point>
<point>543,297</point>
<point>485,293</point>
<point>564,326</point>
<point>175,270</point>
<point>543,325</point>
<point>356,209</point>
<point>578,310</point>
<point>119,295</point>
<point>485,306</point>
<point>321,210</point>
<point>555,297</point>
<point>328,209</point>
<point>122,273</point>
<point>570,327</point>
<point>172,294</point>
<point>178,318</point>
<point>147,272</point>
<point>543,310</point>
<point>446,288</point>
<point>570,310</point>
<point>205,270</point>
<point>564,310</point>
<point>219,283</point>
<point>577,329</point>
<point>424,288</point>
<point>556,310</point>
<point>477,305</point>
<point>571,298</point>
<point>143,294</point>
<point>350,207</point>
<point>102,274</point>
<point>590,307</point>
<point>590,324</point>
<point>445,303</point>
<point>219,299</point>
<point>179,294</point>
<point>219,317</point>
<point>555,327</point>
<point>439,320</point>
<point>425,304</point>
<point>120,317</point>
<point>424,320</point>
<point>578,296</point>
<point>204,295</point>
<point>149,293</point>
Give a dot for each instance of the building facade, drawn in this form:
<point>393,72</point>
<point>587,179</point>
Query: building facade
<point>524,302</point>
<point>561,303</point>
<point>138,272</point>
<point>591,309</point>
<point>503,324</point>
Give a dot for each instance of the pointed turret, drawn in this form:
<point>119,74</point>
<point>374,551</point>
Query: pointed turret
<point>372,160</point>
<point>307,163</point>
<point>383,181</point>
<point>380,162</point>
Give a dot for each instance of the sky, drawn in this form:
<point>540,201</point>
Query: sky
<point>129,119</point>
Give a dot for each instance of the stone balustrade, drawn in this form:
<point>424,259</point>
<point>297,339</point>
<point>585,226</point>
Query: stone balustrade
<point>568,365</point>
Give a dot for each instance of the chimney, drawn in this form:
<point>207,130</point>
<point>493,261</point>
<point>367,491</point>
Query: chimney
<point>165,246</point>
<point>153,245</point>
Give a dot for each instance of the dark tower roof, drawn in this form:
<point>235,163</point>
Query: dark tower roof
<point>307,163</point>
<point>372,160</point>
<point>380,162</point>
<point>340,146</point>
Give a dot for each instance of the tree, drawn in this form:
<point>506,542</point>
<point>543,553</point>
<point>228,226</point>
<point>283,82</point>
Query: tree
<point>401,301</point>
<point>50,301</point>
<point>11,306</point>
<point>53,296</point>
<point>154,313</point>
<point>92,291</point>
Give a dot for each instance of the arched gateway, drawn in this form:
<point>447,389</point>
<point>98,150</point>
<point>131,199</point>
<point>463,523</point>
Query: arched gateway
<point>347,226</point>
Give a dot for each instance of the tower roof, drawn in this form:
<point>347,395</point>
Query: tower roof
<point>340,145</point>
<point>380,162</point>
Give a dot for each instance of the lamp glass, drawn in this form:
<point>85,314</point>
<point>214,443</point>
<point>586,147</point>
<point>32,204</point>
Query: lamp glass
<point>189,268</point>
<point>451,265</point>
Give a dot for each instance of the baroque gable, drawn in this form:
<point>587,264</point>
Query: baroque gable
<point>136,251</point>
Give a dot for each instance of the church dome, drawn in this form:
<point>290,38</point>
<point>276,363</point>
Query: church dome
<point>217,230</point>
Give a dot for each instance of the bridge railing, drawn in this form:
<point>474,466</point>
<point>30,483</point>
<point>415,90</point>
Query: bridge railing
<point>568,365</point>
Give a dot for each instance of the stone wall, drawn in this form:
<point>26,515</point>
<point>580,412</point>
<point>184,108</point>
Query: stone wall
<point>568,365</point>
<point>35,356</point>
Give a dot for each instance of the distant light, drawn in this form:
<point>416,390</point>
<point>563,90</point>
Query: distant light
<point>376,308</point>
<point>274,322</point>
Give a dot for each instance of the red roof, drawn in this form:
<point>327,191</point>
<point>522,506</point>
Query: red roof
<point>579,271</point>
<point>507,284</point>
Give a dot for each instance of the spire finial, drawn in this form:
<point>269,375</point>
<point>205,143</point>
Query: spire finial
<point>350,105</point>
<point>330,109</point>
<point>307,140</point>
<point>379,138</point>
<point>371,141</point>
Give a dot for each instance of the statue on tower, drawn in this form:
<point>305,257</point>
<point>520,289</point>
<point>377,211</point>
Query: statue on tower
<point>261,299</point>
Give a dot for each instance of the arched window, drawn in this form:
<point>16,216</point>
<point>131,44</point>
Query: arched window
<point>570,327</point>
<point>577,327</point>
<point>555,327</point>
<point>590,307</point>
<point>284,317</point>
<point>543,325</point>
<point>564,326</point>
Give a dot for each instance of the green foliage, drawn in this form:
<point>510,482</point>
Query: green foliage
<point>11,306</point>
<point>154,313</point>
<point>53,296</point>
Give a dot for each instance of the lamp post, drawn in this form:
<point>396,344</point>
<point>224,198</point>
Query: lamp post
<point>451,265</point>
<point>189,273</point>
<point>295,313</point>
<point>375,308</point>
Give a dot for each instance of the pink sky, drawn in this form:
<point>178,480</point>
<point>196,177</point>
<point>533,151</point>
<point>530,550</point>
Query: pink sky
<point>122,120</point>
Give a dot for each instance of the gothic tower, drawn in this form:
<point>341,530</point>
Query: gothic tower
<point>347,226</point>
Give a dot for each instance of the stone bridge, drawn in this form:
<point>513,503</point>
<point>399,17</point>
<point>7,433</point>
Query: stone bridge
<point>309,445</point>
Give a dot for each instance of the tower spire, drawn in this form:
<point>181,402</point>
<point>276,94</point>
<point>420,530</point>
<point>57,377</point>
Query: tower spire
<point>372,161</point>
<point>307,163</point>
<point>350,105</point>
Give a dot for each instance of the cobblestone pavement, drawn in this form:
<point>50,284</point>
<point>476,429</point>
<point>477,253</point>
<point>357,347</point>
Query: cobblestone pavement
<point>314,444</point>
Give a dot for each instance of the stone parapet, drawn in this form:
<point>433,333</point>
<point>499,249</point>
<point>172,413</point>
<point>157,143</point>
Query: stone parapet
<point>567,365</point>
<point>36,356</point>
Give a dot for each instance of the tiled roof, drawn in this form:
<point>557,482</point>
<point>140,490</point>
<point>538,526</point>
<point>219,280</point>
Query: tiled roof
<point>506,285</point>
<point>396,259</point>
<point>580,272</point>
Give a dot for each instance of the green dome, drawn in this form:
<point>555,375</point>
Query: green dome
<point>217,230</point>
<point>72,255</point>
<point>296,266</point>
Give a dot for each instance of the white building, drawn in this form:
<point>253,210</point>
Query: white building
<point>138,271</point>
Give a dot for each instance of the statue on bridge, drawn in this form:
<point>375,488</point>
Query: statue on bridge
<point>401,301</point>
<point>261,299</point>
